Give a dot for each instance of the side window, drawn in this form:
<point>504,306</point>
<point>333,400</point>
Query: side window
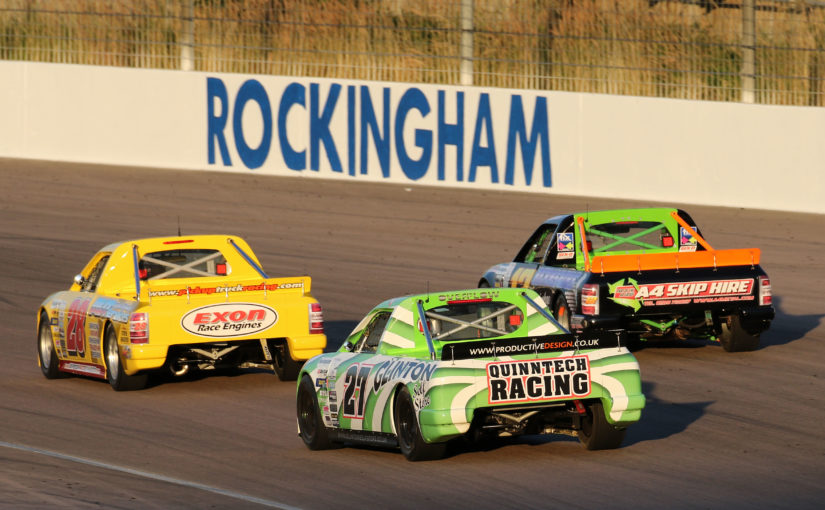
<point>372,333</point>
<point>562,252</point>
<point>535,248</point>
<point>90,283</point>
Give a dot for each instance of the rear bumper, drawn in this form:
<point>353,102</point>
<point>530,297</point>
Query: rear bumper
<point>304,347</point>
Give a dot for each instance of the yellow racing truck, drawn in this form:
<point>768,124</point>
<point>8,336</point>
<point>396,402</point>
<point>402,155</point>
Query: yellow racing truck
<point>179,304</point>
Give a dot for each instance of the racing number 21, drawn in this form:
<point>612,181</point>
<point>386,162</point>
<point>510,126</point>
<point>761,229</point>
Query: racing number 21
<point>355,382</point>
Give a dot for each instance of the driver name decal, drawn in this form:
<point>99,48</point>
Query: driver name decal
<point>537,380</point>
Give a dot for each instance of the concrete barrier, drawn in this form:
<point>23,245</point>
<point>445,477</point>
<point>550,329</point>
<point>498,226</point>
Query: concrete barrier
<point>726,154</point>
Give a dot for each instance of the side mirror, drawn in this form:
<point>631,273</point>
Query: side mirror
<point>79,280</point>
<point>349,347</point>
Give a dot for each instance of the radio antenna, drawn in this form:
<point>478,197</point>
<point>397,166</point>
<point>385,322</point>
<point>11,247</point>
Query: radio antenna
<point>178,225</point>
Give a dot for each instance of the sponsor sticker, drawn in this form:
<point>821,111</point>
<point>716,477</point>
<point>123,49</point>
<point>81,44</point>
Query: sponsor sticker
<point>229,320</point>
<point>565,246</point>
<point>686,240</point>
<point>538,380</point>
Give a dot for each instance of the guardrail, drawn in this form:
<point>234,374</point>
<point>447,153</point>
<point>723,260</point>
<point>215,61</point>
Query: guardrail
<point>753,51</point>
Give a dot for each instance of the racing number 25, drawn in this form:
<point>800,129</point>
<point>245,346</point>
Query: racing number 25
<point>355,382</point>
<point>76,328</point>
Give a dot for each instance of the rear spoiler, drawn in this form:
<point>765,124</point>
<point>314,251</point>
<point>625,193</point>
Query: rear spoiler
<point>675,260</point>
<point>533,345</point>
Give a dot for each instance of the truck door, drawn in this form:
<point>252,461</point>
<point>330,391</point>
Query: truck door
<point>530,256</point>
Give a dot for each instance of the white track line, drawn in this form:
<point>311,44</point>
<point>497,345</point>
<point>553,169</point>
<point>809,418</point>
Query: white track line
<point>152,476</point>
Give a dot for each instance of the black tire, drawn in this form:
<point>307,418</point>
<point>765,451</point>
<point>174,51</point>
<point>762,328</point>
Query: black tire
<point>45,350</point>
<point>118,379</point>
<point>286,368</point>
<point>483,284</point>
<point>311,426</point>
<point>735,338</point>
<point>596,432</point>
<point>561,312</point>
<point>408,431</point>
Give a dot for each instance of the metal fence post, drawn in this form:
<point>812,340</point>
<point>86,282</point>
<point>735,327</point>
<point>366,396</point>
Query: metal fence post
<point>187,39</point>
<point>748,51</point>
<point>466,42</point>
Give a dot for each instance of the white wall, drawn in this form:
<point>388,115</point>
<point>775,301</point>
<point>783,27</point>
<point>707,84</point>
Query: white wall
<point>753,156</point>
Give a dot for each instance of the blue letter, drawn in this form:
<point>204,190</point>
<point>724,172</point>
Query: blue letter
<point>528,145</point>
<point>215,89</point>
<point>368,120</point>
<point>451,134</point>
<point>351,129</point>
<point>252,90</point>
<point>295,93</point>
<point>484,156</point>
<point>413,169</point>
<point>319,127</point>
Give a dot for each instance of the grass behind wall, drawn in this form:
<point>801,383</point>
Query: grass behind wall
<point>636,47</point>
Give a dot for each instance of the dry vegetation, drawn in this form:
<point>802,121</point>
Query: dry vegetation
<point>638,47</point>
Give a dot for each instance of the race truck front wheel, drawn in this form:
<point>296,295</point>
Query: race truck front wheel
<point>310,424</point>
<point>45,350</point>
<point>410,441</point>
<point>119,380</point>
<point>596,432</point>
<point>735,338</point>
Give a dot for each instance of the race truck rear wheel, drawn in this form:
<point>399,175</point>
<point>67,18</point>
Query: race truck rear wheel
<point>285,367</point>
<point>562,312</point>
<point>410,441</point>
<point>735,338</point>
<point>45,349</point>
<point>118,379</point>
<point>310,424</point>
<point>596,432</point>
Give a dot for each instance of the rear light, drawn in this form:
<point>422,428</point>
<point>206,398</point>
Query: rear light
<point>179,241</point>
<point>316,319</point>
<point>667,241</point>
<point>143,273</point>
<point>139,328</point>
<point>220,269</point>
<point>765,296</point>
<point>590,299</point>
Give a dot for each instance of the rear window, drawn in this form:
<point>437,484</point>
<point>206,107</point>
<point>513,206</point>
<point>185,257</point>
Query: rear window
<point>476,319</point>
<point>160,265</point>
<point>627,236</point>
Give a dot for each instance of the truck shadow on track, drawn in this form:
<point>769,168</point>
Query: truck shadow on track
<point>787,327</point>
<point>662,419</point>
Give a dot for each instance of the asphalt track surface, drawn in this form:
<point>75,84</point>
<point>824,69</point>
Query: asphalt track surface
<point>720,430</point>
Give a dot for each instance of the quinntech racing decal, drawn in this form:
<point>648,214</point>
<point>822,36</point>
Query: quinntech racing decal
<point>635,295</point>
<point>537,380</point>
<point>229,319</point>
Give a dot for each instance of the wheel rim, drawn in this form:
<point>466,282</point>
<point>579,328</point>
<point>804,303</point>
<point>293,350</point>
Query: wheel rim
<point>406,424</point>
<point>563,317</point>
<point>307,415</point>
<point>45,345</point>
<point>112,357</point>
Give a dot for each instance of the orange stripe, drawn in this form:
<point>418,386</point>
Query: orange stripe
<point>676,260</point>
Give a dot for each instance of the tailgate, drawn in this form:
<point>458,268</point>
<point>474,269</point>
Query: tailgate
<point>237,310</point>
